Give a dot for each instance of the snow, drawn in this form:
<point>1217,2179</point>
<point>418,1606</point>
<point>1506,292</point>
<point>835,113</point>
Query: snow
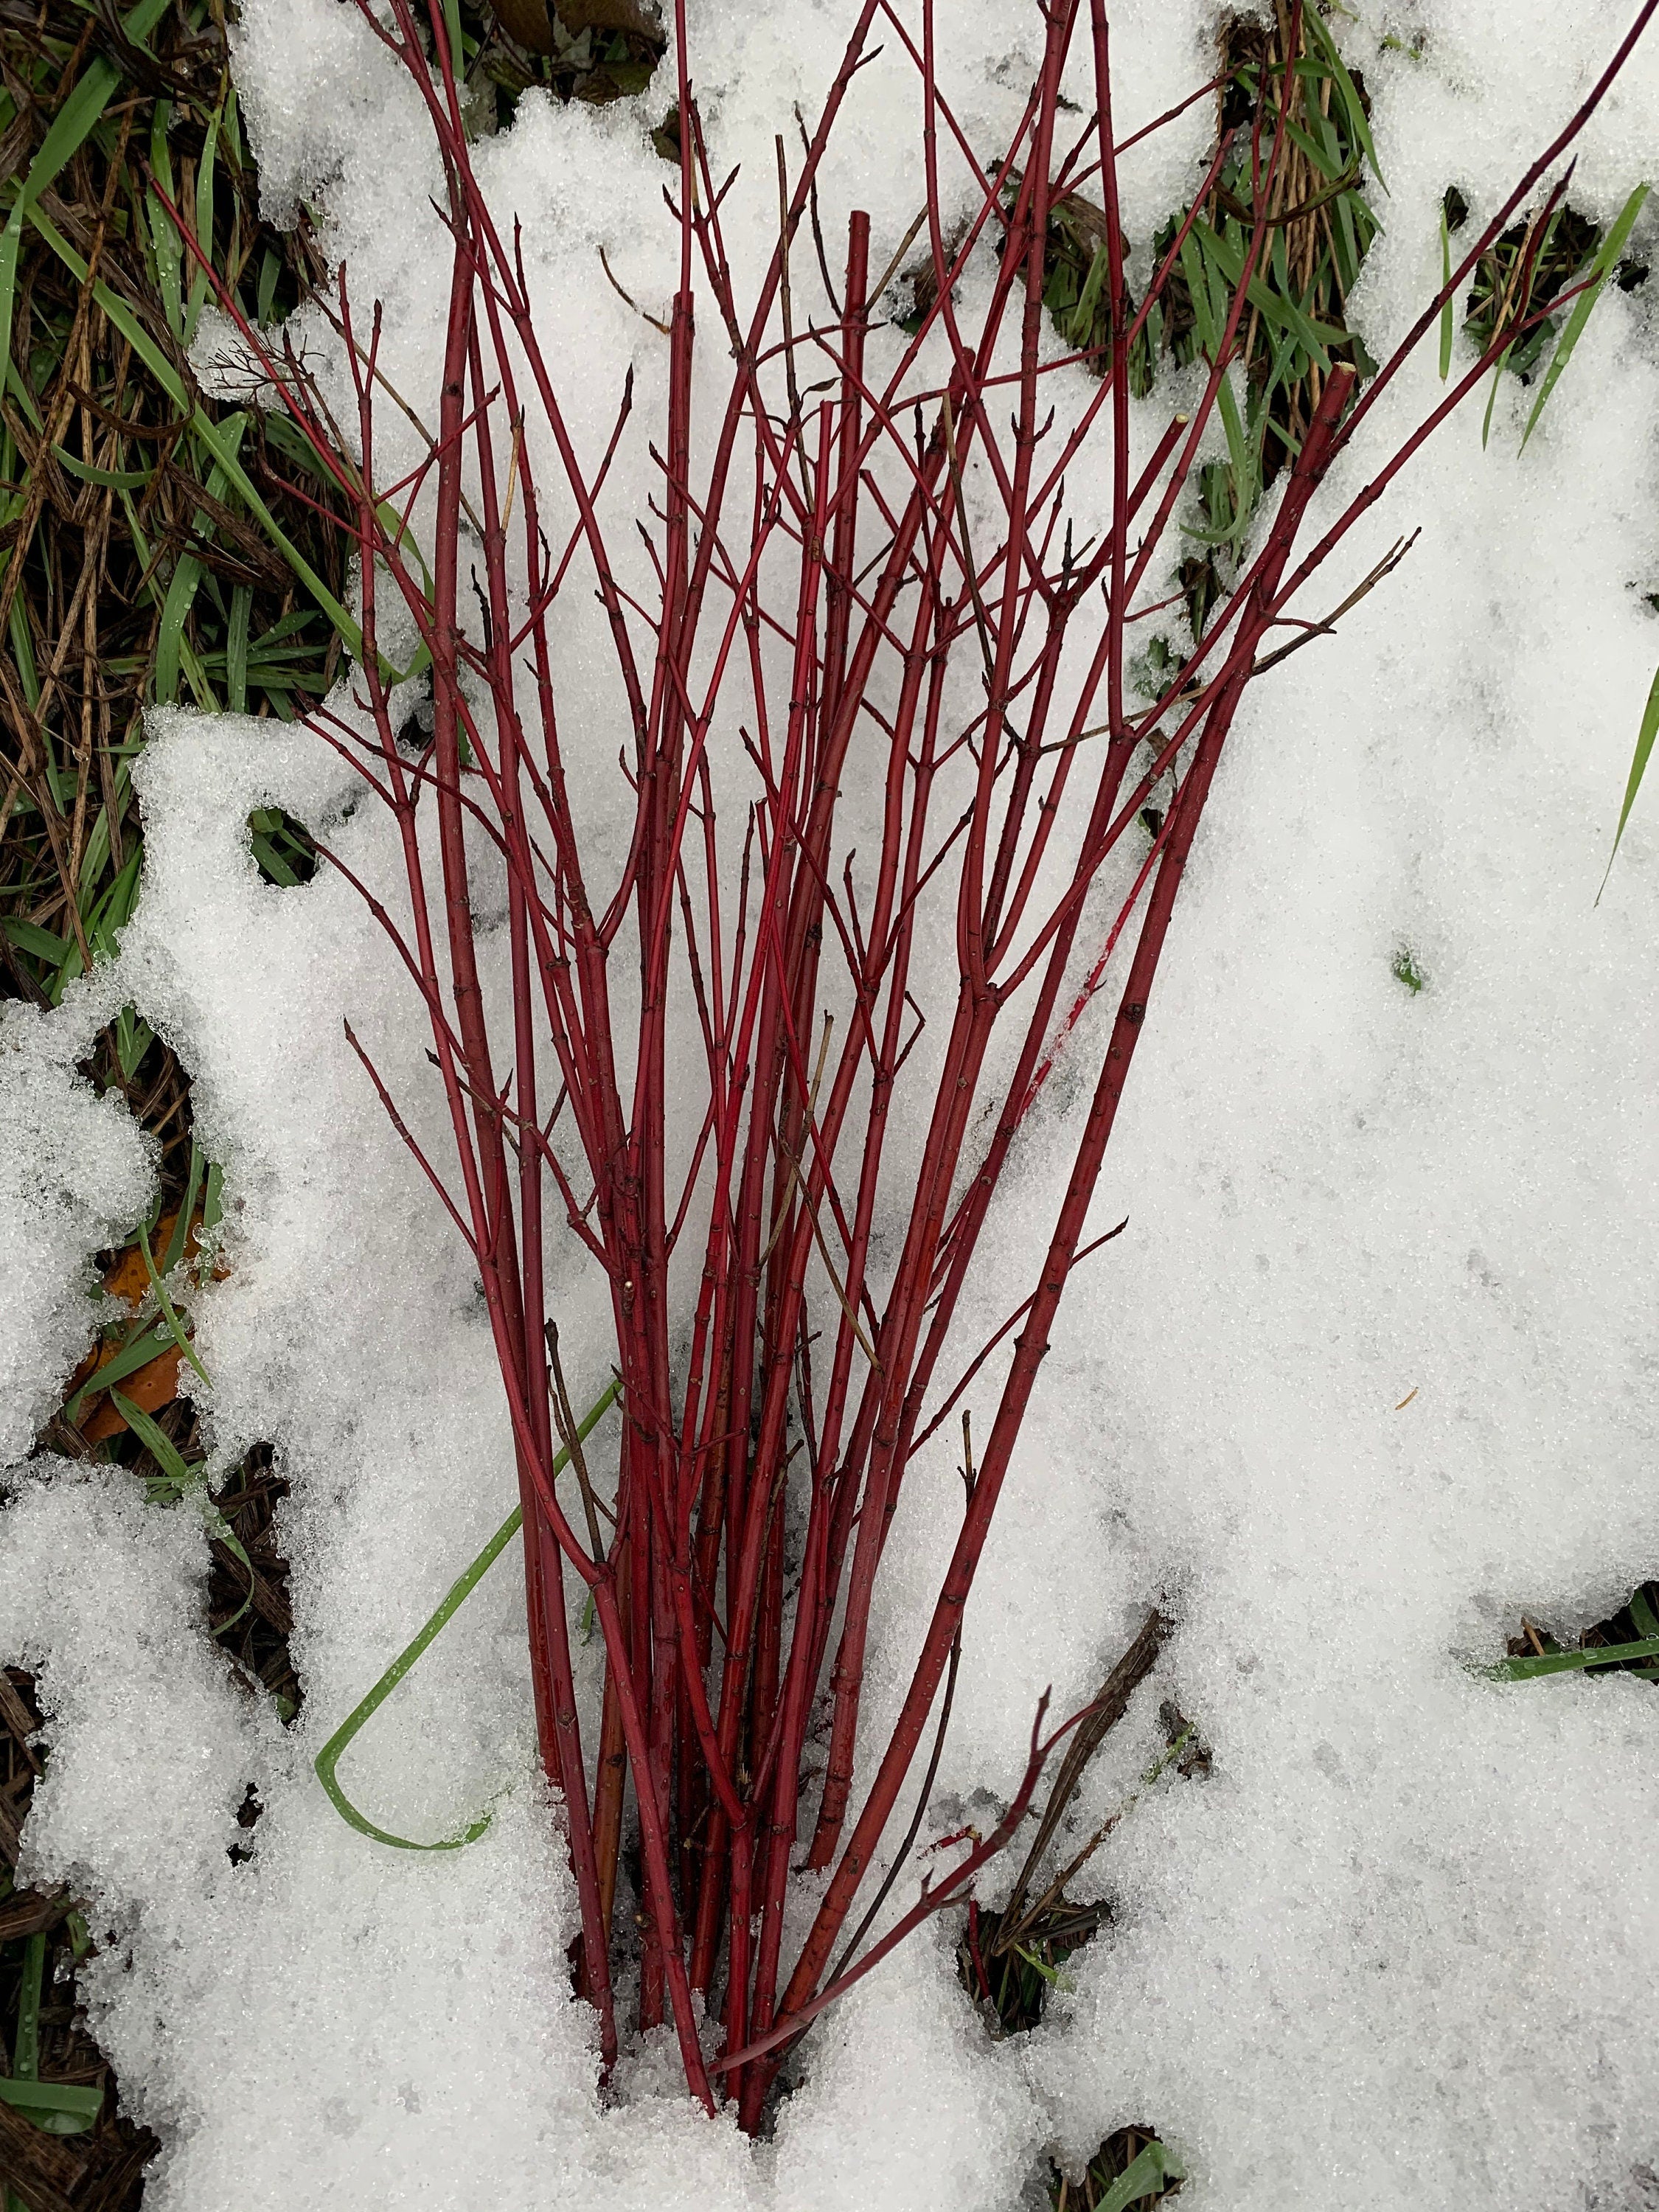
<point>73,1170</point>
<point>1369,1373</point>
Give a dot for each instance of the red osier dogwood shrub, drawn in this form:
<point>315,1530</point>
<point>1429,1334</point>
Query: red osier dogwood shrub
<point>866,590</point>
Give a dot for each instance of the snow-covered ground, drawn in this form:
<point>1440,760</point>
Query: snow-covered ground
<point>1371,1372</point>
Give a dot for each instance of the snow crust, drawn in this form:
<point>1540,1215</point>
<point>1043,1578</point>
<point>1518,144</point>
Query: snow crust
<point>1371,1372</point>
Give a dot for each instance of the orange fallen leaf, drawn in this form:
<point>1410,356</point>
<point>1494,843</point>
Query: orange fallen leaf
<point>149,1388</point>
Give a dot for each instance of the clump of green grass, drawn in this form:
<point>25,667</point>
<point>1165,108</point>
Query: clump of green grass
<point>1502,290</point>
<point>156,547</point>
<point>1321,227</point>
<point>1405,969</point>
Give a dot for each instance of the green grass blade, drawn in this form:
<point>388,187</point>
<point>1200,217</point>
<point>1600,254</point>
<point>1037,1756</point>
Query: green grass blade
<point>26,2050</point>
<point>155,1441</point>
<point>167,1314</point>
<point>216,1525</point>
<point>328,1758</point>
<point>452,32</point>
<point>1241,454</point>
<point>114,910</point>
<point>241,604</point>
<point>1565,1662</point>
<point>10,238</point>
<point>1645,737</point>
<point>116,479</point>
<point>169,638</point>
<point>1149,2176</point>
<point>133,1039</point>
<point>53,2100</point>
<point>170,643</point>
<point>175,1251</point>
<point>165,243</point>
<point>273,863</point>
<point>94,857</point>
<point>39,944</point>
<point>1094,284</point>
<point>1193,269</point>
<point>265,299</point>
<point>180,1478</point>
<point>112,913</point>
<point>198,282</point>
<point>1498,367</point>
<point>1606,255</point>
<point>1329,166</point>
<point>1351,102</point>
<point>1446,312</point>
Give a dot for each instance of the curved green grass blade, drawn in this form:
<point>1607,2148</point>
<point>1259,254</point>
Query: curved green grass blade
<point>216,1525</point>
<point>1446,310</point>
<point>181,1481</point>
<point>116,479</point>
<point>328,1758</point>
<point>168,1316</point>
<point>26,2050</point>
<point>1606,255</point>
<point>1638,765</point>
<point>176,1243</point>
